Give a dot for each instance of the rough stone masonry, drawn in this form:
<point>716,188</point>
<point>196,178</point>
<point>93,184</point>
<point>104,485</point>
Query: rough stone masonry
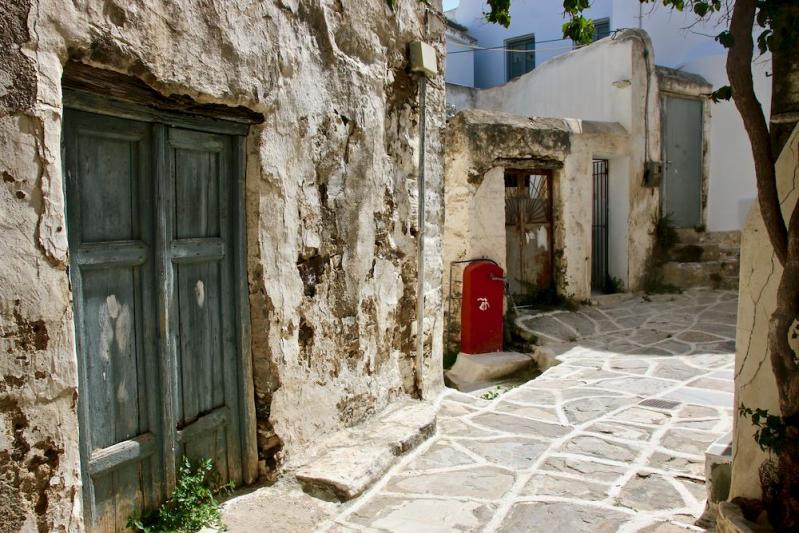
<point>330,213</point>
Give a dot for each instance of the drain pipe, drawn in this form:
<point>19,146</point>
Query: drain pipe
<point>420,249</point>
<point>423,61</point>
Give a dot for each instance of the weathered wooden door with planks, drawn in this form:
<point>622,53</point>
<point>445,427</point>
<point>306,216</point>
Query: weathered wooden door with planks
<point>153,226</point>
<point>528,231</point>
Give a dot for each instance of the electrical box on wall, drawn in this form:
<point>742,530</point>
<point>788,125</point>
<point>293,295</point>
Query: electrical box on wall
<point>423,58</point>
<point>653,173</point>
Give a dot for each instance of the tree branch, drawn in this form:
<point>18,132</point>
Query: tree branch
<point>739,72</point>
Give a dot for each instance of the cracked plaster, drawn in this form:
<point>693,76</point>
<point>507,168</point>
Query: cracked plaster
<point>330,183</point>
<point>755,385</point>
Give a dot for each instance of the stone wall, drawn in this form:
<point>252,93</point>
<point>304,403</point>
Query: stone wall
<point>479,146</point>
<point>330,210</point>
<point>614,81</point>
<point>755,386</point>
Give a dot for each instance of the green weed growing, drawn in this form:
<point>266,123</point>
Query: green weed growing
<point>191,506</point>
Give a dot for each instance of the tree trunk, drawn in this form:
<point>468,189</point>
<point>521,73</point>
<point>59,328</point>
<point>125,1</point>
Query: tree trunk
<point>784,507</point>
<point>767,143</point>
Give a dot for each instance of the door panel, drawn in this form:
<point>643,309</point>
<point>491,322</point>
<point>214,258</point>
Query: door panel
<point>201,353</point>
<point>528,231</point>
<point>150,394</point>
<point>108,168</point>
<point>202,263</point>
<point>112,363</point>
<point>682,145</point>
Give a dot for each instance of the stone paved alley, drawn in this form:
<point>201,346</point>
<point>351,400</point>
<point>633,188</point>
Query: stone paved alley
<point>584,447</point>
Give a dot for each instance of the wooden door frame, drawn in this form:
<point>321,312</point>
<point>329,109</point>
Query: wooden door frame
<point>90,102</point>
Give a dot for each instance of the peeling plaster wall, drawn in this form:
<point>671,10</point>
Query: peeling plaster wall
<point>574,232</point>
<point>480,145</point>
<point>613,80</point>
<point>755,385</point>
<point>330,209</point>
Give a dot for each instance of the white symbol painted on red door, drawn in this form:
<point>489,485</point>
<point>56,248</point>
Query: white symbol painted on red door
<point>483,304</point>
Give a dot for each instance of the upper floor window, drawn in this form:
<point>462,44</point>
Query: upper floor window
<point>520,55</point>
<point>601,28</point>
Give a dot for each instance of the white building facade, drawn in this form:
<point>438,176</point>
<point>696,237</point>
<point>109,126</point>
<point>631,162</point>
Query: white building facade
<point>679,42</point>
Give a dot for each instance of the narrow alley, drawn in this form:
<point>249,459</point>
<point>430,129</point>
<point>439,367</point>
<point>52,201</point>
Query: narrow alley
<point>613,438</point>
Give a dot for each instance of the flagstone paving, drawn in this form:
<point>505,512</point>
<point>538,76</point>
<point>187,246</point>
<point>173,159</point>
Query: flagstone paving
<point>583,447</point>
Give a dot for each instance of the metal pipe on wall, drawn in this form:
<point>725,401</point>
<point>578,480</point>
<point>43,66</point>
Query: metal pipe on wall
<point>420,235</point>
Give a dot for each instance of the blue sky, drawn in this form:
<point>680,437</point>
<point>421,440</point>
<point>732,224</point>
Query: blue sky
<point>449,4</point>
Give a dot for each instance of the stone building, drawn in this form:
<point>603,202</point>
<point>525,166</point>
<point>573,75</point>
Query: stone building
<point>586,147</point>
<point>209,240</point>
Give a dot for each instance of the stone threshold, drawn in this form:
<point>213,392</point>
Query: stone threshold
<point>351,460</point>
<point>472,372</point>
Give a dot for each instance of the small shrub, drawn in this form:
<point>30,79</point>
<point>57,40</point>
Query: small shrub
<point>191,506</point>
<point>494,393</point>
<point>666,233</point>
<point>654,284</point>
<point>666,237</point>
<point>613,285</point>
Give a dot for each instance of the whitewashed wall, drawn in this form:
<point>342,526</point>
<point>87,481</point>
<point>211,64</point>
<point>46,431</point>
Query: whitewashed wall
<point>617,94</point>
<point>543,18</point>
<point>459,67</point>
<point>732,187</point>
<point>679,42</point>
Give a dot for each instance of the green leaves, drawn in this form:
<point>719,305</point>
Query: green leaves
<point>771,429</point>
<point>573,7</point>
<point>499,12</point>
<point>765,41</point>
<point>191,506</point>
<point>701,9</point>
<point>579,29</point>
<point>722,93</point>
<point>782,30</point>
<point>725,38</point>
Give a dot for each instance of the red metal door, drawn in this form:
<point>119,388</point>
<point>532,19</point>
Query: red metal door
<point>482,308</point>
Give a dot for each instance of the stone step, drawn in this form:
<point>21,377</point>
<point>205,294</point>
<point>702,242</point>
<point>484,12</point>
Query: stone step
<point>713,274</point>
<point>694,253</point>
<point>723,239</point>
<point>351,460</point>
<point>477,371</point>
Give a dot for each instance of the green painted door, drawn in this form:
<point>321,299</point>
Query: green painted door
<point>682,147</point>
<point>152,222</point>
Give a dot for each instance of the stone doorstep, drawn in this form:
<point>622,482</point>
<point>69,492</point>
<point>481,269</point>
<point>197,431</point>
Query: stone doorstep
<point>351,460</point>
<point>700,274</point>
<point>724,239</point>
<point>613,299</point>
<point>477,371</point>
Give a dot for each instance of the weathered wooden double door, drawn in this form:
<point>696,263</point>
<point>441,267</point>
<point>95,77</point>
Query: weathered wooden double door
<point>152,224</point>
